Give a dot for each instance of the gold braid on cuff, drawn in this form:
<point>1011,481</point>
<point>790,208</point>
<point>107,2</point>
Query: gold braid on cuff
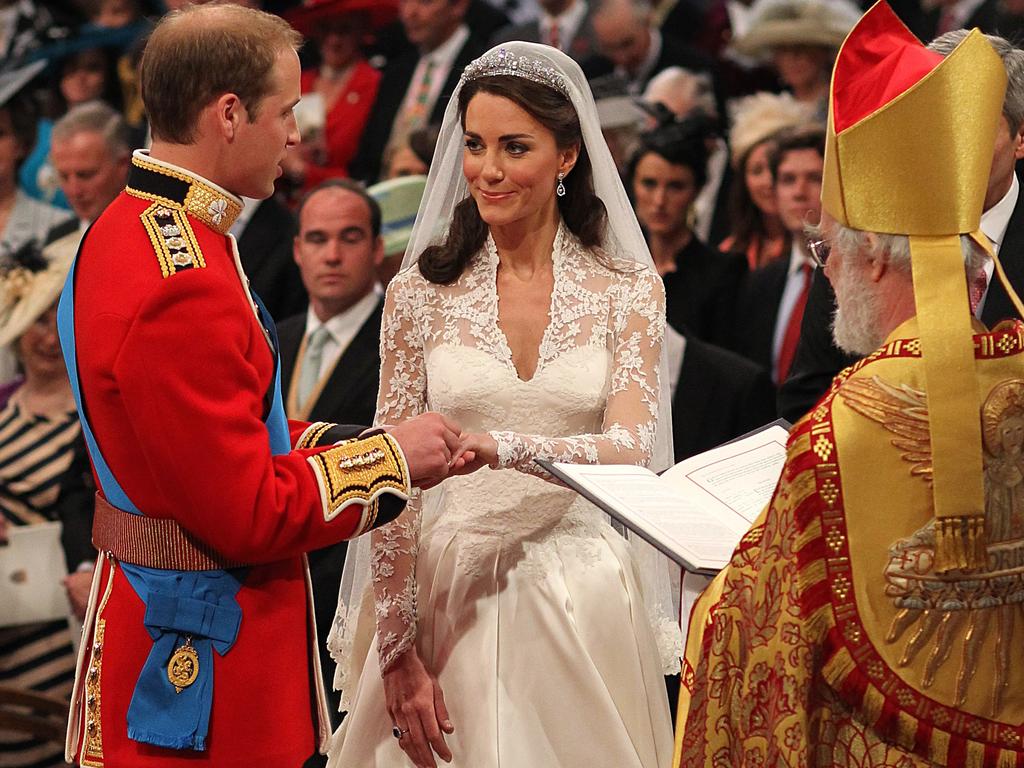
<point>358,472</point>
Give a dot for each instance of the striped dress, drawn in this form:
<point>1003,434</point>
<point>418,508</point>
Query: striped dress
<point>35,451</point>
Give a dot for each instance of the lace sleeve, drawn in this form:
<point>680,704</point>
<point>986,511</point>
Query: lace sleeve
<point>402,395</point>
<point>631,414</point>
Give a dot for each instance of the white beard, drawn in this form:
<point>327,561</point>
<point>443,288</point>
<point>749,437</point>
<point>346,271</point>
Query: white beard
<point>855,323</point>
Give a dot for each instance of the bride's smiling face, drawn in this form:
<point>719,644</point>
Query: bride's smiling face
<point>511,161</point>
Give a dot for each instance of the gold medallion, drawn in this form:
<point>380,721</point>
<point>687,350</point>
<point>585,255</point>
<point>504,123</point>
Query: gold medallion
<point>183,668</point>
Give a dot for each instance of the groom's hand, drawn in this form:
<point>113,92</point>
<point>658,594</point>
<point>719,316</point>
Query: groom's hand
<point>428,442</point>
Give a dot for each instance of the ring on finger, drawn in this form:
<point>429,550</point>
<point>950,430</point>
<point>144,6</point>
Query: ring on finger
<point>398,733</point>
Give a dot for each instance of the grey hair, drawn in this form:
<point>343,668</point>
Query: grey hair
<point>696,87</point>
<point>895,248</point>
<point>95,117</point>
<point>1013,61</point>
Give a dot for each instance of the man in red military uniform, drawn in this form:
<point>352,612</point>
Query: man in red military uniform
<point>198,642</point>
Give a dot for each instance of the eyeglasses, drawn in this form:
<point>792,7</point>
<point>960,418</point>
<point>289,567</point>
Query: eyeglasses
<point>819,250</point>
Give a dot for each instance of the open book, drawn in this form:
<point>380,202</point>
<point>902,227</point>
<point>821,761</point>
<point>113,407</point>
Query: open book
<point>697,511</point>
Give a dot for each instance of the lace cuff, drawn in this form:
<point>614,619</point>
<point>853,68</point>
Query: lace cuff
<point>617,445</point>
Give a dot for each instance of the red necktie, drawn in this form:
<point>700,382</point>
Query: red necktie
<point>553,38</point>
<point>947,20</point>
<point>792,336</point>
<point>976,289</point>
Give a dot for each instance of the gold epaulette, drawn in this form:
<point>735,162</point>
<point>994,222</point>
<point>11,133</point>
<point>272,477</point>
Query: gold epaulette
<point>358,472</point>
<point>172,237</point>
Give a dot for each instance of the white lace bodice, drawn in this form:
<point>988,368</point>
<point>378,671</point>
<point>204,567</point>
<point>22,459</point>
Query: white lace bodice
<point>593,399</point>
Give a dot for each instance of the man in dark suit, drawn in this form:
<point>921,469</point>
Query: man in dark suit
<point>717,395</point>
<point>773,298</point>
<point>563,24</point>
<point>818,359</point>
<point>416,85</point>
<point>926,19</point>
<point>89,151</point>
<point>330,363</point>
<point>265,231</point>
<point>632,46</point>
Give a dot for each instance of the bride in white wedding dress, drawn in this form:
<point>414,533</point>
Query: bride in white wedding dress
<point>506,623</point>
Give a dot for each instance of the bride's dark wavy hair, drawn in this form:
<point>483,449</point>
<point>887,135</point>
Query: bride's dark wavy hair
<point>582,210</point>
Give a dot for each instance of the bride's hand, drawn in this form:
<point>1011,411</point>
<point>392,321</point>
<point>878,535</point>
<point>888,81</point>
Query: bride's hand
<point>478,450</point>
<point>416,706</point>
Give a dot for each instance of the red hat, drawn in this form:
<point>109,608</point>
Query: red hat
<point>308,17</point>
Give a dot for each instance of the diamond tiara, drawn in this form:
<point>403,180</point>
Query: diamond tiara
<point>503,62</point>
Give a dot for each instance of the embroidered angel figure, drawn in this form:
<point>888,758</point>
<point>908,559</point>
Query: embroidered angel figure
<point>940,608</point>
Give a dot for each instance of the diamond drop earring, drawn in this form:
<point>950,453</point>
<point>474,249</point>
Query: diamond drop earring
<point>560,189</point>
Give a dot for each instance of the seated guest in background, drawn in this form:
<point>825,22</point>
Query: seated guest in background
<point>82,73</point>
<point>38,432</point>
<point>344,84</point>
<point>818,358</point>
<point>676,94</point>
<point>415,85</point>
<point>562,24</point>
<point>90,153</point>
<point>773,297</point>
<point>870,615</point>
<point>933,18</point>
<point>411,156</point>
<point>800,38</point>
<point>399,200</point>
<point>756,229</point>
<point>665,176</point>
<point>330,360</point>
<point>629,44</point>
<point>23,219</point>
<point>679,92</point>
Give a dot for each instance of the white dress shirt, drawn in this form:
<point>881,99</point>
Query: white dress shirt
<point>704,205</point>
<point>249,206</point>
<point>341,329</point>
<point>994,222</point>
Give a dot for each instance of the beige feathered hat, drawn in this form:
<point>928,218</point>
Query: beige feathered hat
<point>31,283</point>
<point>759,117</point>
<point>774,23</point>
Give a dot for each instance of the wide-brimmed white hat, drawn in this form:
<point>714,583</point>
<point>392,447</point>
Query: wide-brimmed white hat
<point>30,286</point>
<point>759,117</point>
<point>776,23</point>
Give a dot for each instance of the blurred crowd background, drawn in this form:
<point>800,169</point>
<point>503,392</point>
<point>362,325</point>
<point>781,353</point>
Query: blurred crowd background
<point>714,110</point>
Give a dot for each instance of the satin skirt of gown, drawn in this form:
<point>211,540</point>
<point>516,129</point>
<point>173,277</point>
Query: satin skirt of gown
<point>529,607</point>
<point>531,613</point>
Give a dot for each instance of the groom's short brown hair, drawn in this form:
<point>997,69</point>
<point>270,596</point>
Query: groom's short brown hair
<point>198,53</point>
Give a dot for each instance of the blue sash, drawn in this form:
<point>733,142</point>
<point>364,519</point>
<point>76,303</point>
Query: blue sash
<point>196,608</point>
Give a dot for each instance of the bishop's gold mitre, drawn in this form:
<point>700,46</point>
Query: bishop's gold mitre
<point>908,151</point>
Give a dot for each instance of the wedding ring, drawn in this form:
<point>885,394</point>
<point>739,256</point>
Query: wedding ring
<point>398,732</point>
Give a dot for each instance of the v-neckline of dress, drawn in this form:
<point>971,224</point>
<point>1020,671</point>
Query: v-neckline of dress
<point>557,276</point>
